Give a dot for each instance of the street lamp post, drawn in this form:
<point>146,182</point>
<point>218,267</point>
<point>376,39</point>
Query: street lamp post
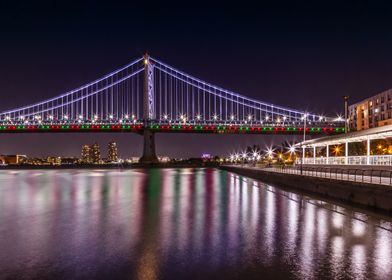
<point>346,97</point>
<point>302,146</point>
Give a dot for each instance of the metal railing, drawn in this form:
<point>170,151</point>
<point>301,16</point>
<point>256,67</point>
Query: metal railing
<point>351,160</point>
<point>374,176</point>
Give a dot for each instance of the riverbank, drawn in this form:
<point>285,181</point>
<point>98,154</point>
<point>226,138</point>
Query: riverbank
<point>372,196</point>
<point>112,166</point>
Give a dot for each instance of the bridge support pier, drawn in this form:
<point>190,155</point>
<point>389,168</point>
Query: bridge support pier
<point>149,155</point>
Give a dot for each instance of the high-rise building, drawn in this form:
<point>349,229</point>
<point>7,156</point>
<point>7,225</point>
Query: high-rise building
<point>372,112</point>
<point>95,153</point>
<point>112,152</point>
<point>86,154</point>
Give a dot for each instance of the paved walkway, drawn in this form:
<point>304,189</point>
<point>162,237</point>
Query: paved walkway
<point>374,177</point>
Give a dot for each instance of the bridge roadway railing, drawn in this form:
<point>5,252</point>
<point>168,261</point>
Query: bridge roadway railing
<point>373,176</point>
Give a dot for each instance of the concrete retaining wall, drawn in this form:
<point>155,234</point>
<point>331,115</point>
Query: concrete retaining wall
<point>362,194</point>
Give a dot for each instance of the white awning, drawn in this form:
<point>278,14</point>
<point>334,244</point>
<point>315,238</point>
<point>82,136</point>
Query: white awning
<point>381,132</point>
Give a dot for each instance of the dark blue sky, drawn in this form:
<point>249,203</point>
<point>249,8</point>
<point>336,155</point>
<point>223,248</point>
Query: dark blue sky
<point>304,56</point>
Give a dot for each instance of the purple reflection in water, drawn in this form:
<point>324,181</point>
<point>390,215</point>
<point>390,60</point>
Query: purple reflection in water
<point>179,223</point>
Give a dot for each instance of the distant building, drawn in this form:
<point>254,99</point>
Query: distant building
<point>95,153</point>
<point>372,112</point>
<point>91,154</point>
<point>163,158</point>
<point>12,159</point>
<point>112,152</point>
<point>54,160</point>
<point>86,154</point>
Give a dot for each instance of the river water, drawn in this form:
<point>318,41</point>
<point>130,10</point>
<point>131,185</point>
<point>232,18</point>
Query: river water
<point>180,224</point>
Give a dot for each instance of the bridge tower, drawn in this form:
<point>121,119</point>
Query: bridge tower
<point>149,155</point>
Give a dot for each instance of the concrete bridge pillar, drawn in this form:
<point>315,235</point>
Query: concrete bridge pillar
<point>149,155</point>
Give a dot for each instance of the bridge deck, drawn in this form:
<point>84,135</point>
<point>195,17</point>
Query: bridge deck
<point>166,128</point>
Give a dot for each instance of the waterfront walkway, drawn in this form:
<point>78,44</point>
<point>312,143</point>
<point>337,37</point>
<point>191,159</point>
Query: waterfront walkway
<point>377,176</point>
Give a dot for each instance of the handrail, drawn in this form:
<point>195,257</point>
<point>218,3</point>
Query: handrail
<point>373,176</point>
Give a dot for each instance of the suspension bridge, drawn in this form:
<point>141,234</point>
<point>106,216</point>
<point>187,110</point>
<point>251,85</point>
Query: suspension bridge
<point>148,96</point>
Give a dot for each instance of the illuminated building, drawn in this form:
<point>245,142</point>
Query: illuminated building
<point>372,112</point>
<point>112,152</point>
<point>86,154</point>
<point>54,160</point>
<point>95,153</point>
<point>12,159</point>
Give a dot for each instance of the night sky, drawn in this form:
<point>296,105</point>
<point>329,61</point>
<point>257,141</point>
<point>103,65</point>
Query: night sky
<point>304,56</point>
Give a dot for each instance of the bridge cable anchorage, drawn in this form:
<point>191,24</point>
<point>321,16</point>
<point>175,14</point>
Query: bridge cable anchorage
<point>150,91</point>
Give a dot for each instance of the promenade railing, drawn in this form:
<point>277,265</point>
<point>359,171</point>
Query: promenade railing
<point>374,176</point>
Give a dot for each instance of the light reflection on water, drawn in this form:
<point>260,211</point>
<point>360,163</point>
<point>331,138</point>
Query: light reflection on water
<point>179,223</point>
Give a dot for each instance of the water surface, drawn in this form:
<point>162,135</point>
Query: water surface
<point>179,223</point>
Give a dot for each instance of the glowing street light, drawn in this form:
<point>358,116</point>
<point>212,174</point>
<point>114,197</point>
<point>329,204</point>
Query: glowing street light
<point>65,117</point>
<point>215,117</point>
<point>198,117</point>
<point>249,117</point>
<point>232,117</point>
<point>270,152</point>
<point>339,118</point>
<point>111,116</point>
<point>267,118</point>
